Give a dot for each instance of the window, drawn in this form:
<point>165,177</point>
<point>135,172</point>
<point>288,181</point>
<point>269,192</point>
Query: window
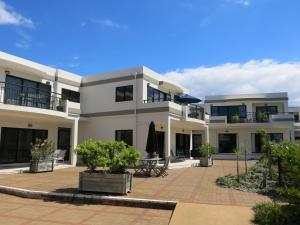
<point>154,95</point>
<point>229,111</point>
<point>19,91</point>
<point>124,93</point>
<point>267,109</point>
<point>124,135</point>
<point>72,96</point>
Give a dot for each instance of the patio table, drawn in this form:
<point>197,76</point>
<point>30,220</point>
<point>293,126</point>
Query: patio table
<point>149,164</point>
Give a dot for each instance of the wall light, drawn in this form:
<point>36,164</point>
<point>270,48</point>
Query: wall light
<point>7,72</point>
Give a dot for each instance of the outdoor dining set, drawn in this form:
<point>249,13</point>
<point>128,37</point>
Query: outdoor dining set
<point>151,167</point>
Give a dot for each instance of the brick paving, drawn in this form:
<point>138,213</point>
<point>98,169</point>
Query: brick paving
<point>190,185</point>
<point>21,211</point>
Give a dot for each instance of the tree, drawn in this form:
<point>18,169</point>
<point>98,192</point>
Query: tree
<point>266,148</point>
<point>237,153</point>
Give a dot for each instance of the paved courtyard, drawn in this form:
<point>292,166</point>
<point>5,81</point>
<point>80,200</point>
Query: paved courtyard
<point>21,211</point>
<point>189,185</point>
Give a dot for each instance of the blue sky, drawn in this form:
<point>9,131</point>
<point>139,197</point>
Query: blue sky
<point>168,36</point>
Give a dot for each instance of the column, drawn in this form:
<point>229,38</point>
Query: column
<point>168,138</point>
<point>191,143</point>
<point>206,134</point>
<point>74,140</point>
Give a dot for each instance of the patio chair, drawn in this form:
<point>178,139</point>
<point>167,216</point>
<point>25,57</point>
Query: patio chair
<point>175,158</point>
<point>139,169</point>
<point>161,170</point>
<point>59,155</point>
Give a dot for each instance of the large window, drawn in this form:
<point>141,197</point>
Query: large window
<point>154,95</point>
<point>19,91</point>
<point>276,137</point>
<point>72,96</point>
<point>227,143</point>
<point>124,93</point>
<point>124,135</point>
<point>229,111</point>
<point>267,109</point>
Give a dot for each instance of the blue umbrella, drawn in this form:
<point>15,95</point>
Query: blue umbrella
<point>188,99</point>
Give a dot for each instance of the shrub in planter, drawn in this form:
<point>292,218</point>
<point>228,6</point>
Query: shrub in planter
<point>235,119</point>
<point>114,158</point>
<point>262,117</point>
<point>41,153</point>
<point>206,152</point>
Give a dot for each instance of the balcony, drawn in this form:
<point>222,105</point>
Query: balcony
<point>20,95</point>
<point>252,117</point>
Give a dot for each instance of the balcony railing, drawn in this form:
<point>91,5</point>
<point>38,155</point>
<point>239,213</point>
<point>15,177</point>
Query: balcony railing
<point>20,95</point>
<point>196,112</point>
<point>253,117</point>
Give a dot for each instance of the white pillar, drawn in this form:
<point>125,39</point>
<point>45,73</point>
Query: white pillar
<point>168,138</point>
<point>74,140</point>
<point>292,134</point>
<point>191,142</point>
<point>206,134</point>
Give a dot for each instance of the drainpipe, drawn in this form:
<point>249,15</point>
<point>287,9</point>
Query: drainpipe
<point>135,109</point>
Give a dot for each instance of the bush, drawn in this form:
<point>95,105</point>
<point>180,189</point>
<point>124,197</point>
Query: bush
<point>268,213</point>
<point>206,150</point>
<point>115,156</point>
<point>235,118</point>
<point>41,149</point>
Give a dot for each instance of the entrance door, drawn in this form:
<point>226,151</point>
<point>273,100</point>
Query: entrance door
<point>16,143</point>
<point>64,140</point>
<point>227,143</point>
<point>183,145</point>
<point>161,143</point>
<point>197,141</point>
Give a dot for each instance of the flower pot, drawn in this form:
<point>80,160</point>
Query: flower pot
<point>206,161</point>
<point>37,166</point>
<point>105,182</point>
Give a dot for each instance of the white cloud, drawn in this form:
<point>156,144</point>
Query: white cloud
<point>242,78</point>
<point>22,44</point>
<point>110,24</point>
<point>241,2</point>
<point>9,17</point>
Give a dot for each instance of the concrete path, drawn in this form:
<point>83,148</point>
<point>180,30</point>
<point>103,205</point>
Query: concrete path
<point>198,214</point>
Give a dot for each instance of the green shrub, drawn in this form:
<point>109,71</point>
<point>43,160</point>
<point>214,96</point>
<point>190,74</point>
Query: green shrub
<point>235,118</point>
<point>114,156</point>
<point>41,149</point>
<point>268,213</point>
<point>206,150</point>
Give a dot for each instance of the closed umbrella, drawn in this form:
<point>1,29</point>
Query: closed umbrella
<point>152,144</point>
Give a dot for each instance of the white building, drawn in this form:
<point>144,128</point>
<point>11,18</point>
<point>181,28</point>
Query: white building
<point>38,101</point>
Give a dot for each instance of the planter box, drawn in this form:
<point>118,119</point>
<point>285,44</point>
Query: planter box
<point>206,161</point>
<point>37,166</point>
<point>105,182</point>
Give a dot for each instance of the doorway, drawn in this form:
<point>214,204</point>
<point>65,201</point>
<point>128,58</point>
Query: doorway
<point>183,145</point>
<point>64,140</point>
<point>227,143</point>
<point>16,143</point>
<point>161,143</point>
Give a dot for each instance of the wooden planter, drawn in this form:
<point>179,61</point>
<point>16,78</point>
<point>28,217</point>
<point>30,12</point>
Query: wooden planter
<point>105,182</point>
<point>37,166</point>
<point>206,161</point>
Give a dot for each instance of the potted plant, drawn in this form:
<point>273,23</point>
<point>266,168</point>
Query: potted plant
<point>113,159</point>
<point>206,151</point>
<point>41,160</point>
<point>262,117</point>
<point>61,105</point>
<point>235,118</point>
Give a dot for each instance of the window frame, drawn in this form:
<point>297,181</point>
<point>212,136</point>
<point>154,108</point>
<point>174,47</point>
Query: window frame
<point>126,93</point>
<point>124,134</point>
<point>68,96</point>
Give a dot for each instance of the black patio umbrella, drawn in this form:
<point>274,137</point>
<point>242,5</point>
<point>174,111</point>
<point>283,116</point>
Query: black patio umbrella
<point>188,99</point>
<point>152,144</point>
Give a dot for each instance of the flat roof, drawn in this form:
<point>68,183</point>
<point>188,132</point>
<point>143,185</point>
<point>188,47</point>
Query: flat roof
<point>238,97</point>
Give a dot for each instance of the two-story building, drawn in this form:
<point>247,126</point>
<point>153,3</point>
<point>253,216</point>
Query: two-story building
<point>234,120</point>
<point>120,106</point>
<point>38,101</point>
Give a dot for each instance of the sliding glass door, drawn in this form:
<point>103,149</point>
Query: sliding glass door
<point>16,143</point>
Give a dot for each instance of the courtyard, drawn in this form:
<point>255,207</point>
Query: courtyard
<point>194,185</point>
